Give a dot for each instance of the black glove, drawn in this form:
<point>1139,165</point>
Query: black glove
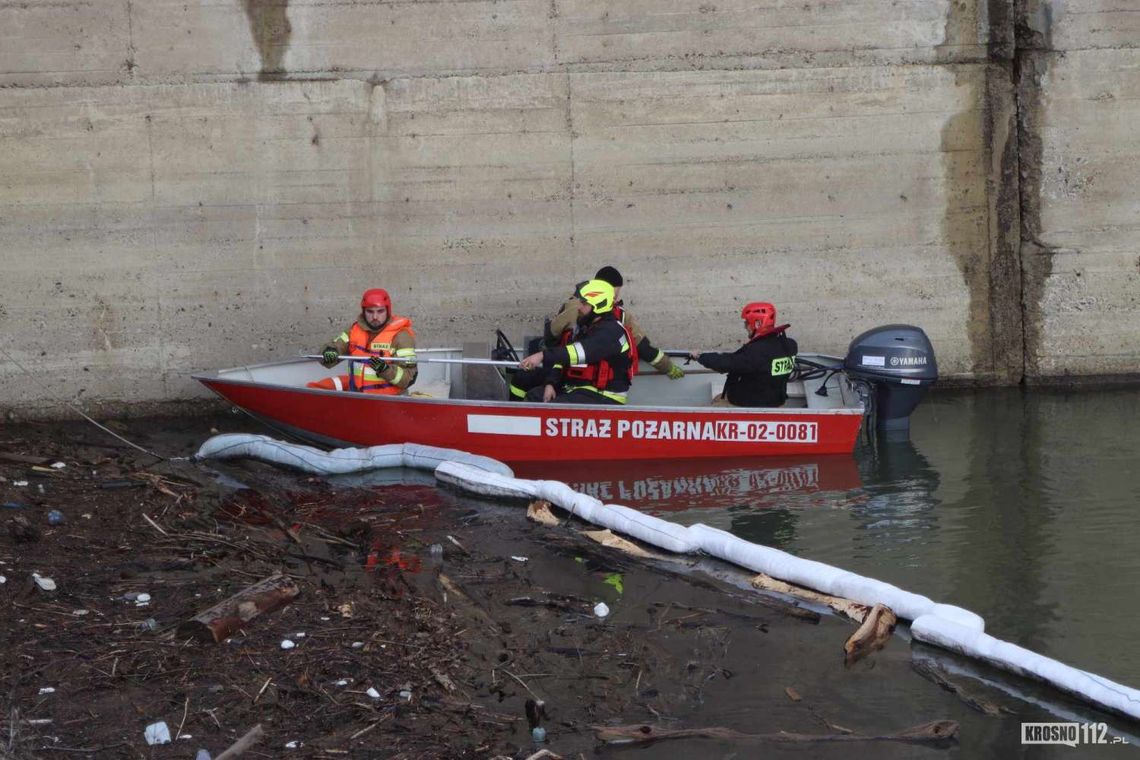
<point>330,356</point>
<point>377,364</point>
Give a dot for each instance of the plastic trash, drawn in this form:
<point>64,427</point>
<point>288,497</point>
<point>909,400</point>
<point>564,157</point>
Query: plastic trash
<point>538,734</point>
<point>47,690</point>
<point>3,580</point>
<point>342,682</point>
<point>405,695</point>
<point>142,598</point>
<point>357,644</point>
<point>292,745</point>
<point>57,465</point>
<point>601,609</point>
<point>519,559</point>
<point>436,551</point>
<point>19,483</point>
<point>150,624</point>
<point>287,644</point>
<point>45,584</point>
<point>203,755</point>
<point>373,693</point>
<point>157,733</point>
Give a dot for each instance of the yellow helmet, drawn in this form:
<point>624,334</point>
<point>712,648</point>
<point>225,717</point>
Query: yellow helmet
<point>598,293</point>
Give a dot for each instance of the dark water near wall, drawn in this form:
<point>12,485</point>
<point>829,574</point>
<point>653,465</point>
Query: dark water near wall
<point>1021,506</point>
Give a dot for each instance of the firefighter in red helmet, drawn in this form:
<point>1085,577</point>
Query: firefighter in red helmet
<point>758,371</point>
<point>377,335</point>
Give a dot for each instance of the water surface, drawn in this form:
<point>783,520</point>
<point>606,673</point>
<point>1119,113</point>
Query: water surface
<point>1022,506</point>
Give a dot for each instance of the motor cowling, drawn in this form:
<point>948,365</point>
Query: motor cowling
<point>899,364</point>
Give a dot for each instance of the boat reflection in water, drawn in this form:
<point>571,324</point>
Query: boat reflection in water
<point>680,485</point>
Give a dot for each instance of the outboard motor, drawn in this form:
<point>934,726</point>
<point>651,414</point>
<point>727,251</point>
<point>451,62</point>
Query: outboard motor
<point>897,361</point>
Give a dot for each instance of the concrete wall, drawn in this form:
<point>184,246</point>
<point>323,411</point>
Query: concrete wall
<point>1080,145</point>
<point>187,185</point>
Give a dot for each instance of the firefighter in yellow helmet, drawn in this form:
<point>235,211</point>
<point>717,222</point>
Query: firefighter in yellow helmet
<point>598,367</point>
<point>562,329</point>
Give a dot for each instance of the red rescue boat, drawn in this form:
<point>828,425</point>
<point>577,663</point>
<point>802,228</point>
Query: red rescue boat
<point>455,404</point>
<point>460,403</point>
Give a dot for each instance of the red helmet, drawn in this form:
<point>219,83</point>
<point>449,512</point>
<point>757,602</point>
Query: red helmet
<point>376,297</point>
<point>759,317</point>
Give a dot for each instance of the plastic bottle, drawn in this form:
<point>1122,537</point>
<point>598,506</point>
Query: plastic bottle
<point>538,734</point>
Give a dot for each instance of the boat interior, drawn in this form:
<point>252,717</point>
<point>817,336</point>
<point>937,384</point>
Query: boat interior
<point>818,383</point>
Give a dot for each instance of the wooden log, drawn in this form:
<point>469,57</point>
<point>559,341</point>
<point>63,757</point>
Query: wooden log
<point>935,733</point>
<point>872,635</point>
<point>608,538</point>
<point>14,458</point>
<point>848,608</point>
<point>220,621</point>
<point>252,736</point>
<point>539,511</point>
<point>984,706</point>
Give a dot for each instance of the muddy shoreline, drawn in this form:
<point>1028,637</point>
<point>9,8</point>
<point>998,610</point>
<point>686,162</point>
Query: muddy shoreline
<point>424,624</point>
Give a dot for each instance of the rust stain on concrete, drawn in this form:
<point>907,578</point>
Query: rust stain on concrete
<point>269,24</point>
<point>981,225</point>
<point>1031,64</point>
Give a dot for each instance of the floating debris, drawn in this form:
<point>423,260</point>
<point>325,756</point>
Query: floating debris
<point>157,733</point>
<point>45,584</point>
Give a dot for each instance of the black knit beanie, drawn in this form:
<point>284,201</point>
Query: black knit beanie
<point>610,275</point>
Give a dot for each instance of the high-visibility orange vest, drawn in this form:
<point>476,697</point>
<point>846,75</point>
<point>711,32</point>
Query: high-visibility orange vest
<point>360,344</point>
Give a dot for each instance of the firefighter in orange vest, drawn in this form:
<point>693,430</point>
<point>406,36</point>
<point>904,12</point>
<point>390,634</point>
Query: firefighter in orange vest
<point>598,367</point>
<point>377,335</point>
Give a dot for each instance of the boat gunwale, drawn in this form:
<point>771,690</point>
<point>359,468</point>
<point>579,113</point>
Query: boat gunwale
<point>217,376</point>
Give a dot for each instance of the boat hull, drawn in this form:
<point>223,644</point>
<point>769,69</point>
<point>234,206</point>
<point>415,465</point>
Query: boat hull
<point>522,432</point>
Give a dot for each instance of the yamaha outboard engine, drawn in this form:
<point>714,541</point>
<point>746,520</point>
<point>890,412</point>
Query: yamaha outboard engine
<point>897,361</point>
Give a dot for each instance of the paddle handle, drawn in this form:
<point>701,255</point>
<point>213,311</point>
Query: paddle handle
<point>420,360</point>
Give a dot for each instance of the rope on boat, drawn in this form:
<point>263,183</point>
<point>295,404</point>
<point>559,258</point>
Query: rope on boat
<point>942,625</point>
<point>82,414</point>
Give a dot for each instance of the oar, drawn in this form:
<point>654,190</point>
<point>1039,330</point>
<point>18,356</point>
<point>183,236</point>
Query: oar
<point>423,360</point>
<point>679,353</point>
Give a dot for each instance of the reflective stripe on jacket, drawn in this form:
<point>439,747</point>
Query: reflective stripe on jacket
<point>362,342</point>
